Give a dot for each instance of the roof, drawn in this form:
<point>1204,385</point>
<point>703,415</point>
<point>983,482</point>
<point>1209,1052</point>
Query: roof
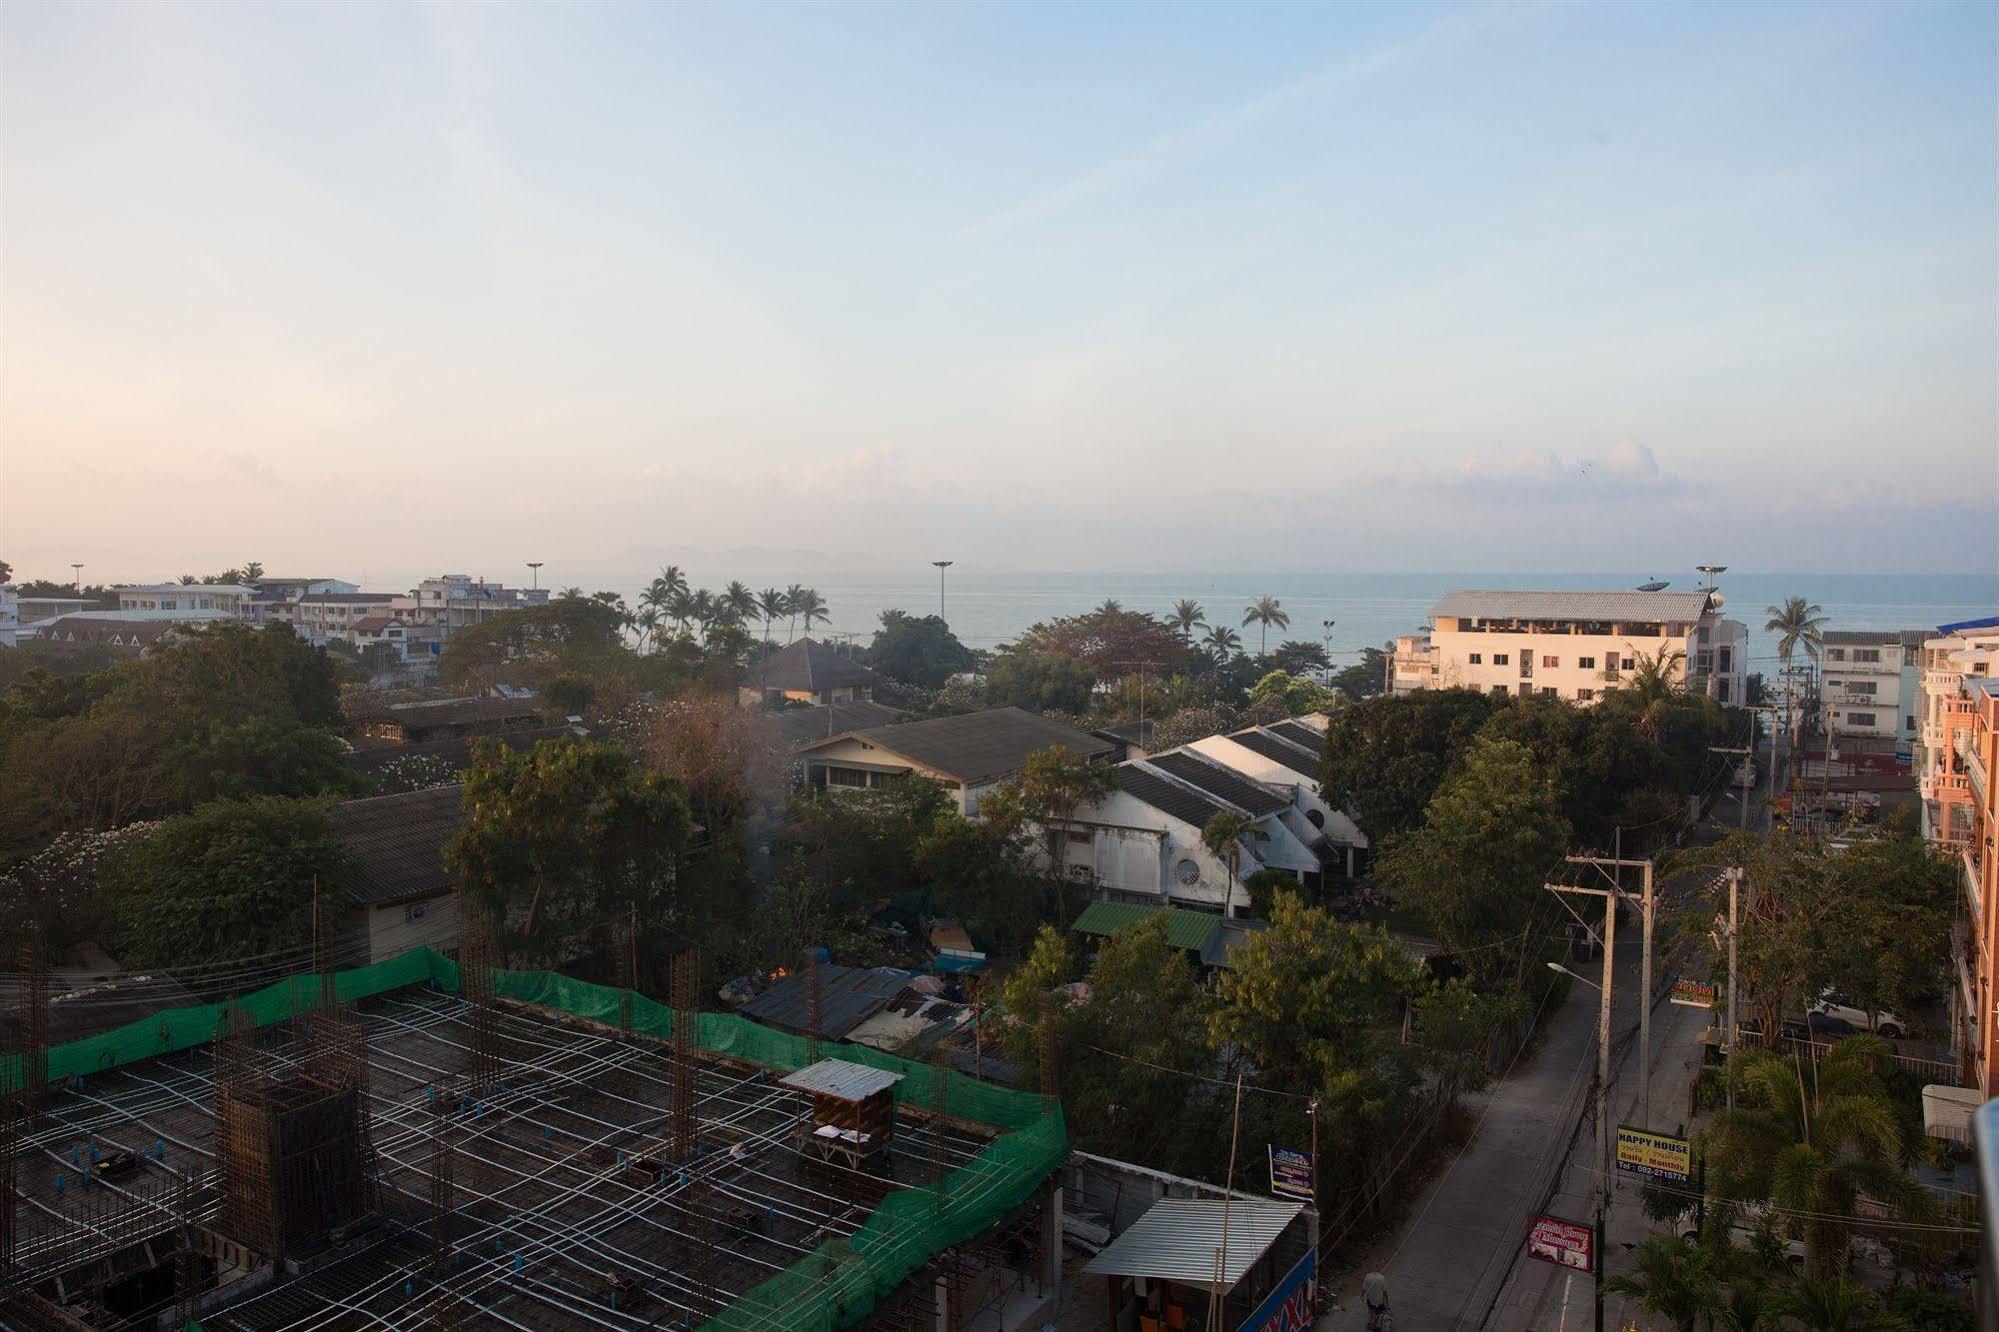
<point>462,711</point>
<point>1863,637</point>
<point>848,996</point>
<point>1228,935</point>
<point>455,750</point>
<point>803,726</point>
<point>1277,751</point>
<point>1184,929</point>
<point>1217,781</point>
<point>980,746</point>
<point>1521,605</point>
<point>1131,733</point>
<point>840,1080</point>
<point>377,621</point>
<point>397,843</point>
<point>1989,622</point>
<point>105,629</point>
<point>1298,733</point>
<point>807,665</point>
<point>1166,797</point>
<point>1181,1238</point>
<point>346,598</point>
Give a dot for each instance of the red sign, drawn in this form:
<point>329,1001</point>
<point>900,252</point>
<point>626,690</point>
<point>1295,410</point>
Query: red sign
<point>1563,1243</point>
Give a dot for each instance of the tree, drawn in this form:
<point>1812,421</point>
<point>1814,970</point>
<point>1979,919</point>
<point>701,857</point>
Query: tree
<point>1385,757</point>
<point>1293,696</point>
<point>1476,865</point>
<point>1295,657</point>
<point>1110,639</point>
<point>1676,1279</point>
<point>1364,680</point>
<point>569,695</point>
<point>1050,787</point>
<point>1187,725</point>
<point>1265,611</point>
<point>1223,642</point>
<point>862,846</point>
<point>530,645</point>
<point>232,879</point>
<point>977,871</point>
<point>1798,623</point>
<point>1041,682</point>
<point>1111,606</point>
<point>1188,616</point>
<point>770,607</point>
<point>1224,835</point>
<point>563,836</point>
<point>810,607</point>
<point>1455,1023</point>
<point>1029,998</point>
<point>918,650</point>
<point>1834,1303</point>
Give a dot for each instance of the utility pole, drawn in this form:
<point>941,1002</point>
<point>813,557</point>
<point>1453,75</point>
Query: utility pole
<point>1603,1129</point>
<point>1742,789</point>
<point>1327,625</point>
<point>1734,892</point>
<point>941,566</point>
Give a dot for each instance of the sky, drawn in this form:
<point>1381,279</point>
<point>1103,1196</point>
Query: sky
<point>379,290</point>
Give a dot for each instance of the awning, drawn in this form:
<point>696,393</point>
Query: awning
<point>1181,1239</point>
<point>1947,1111</point>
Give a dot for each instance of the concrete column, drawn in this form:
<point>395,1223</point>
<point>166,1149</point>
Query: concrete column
<point>1051,1258</point>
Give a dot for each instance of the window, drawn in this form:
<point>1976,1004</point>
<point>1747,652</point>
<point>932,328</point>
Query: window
<point>1499,690</point>
<point>1187,872</point>
<point>1835,654</point>
<point>1855,686</point>
<point>1627,663</point>
<point>1721,690</point>
<point>1908,723</point>
<point>1867,654</point>
<point>1585,695</point>
<point>1727,659</point>
<point>1587,663</point>
<point>1081,837</point>
<point>1499,658</point>
<point>1547,691</point>
<point>1551,662</point>
<point>1477,658</point>
<point>1859,719</point>
<point>415,912</point>
<point>845,777</point>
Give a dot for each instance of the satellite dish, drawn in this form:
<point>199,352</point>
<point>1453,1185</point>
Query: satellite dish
<point>1652,587</point>
<point>1712,568</point>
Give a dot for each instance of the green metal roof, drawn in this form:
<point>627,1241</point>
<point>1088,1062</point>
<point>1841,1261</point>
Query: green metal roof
<point>1184,928</point>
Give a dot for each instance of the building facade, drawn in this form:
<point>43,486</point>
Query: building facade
<point>1573,645</point>
<point>189,600</point>
<point>1870,694</point>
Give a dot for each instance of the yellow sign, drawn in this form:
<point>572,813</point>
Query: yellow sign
<point>1643,1152</point>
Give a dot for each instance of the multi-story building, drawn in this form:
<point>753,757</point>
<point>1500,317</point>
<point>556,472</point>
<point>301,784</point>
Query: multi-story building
<point>1957,652</point>
<point>10,615</point>
<point>1573,645</point>
<point>1870,695</point>
<point>198,601</point>
<point>277,599</point>
<point>320,616</point>
<point>459,601</point>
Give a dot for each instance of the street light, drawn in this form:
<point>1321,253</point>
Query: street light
<point>1327,625</point>
<point>78,566</point>
<point>942,565</point>
<point>1556,966</point>
<point>536,566</point>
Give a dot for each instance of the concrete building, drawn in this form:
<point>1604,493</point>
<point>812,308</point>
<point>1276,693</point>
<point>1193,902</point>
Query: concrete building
<point>10,615</point>
<point>1572,645</point>
<point>1870,694</point>
<point>968,754</point>
<point>208,601</point>
<point>277,598</point>
<point>1968,650</point>
<point>320,617</point>
<point>459,601</point>
<point>125,631</point>
<point>1287,755</point>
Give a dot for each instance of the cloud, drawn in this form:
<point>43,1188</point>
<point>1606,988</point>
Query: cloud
<point>1626,470</point>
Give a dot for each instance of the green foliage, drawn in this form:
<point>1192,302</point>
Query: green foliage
<point>1674,1279</point>
<point>1107,639</point>
<point>1454,1023</point>
<point>569,695</point>
<point>1041,682</point>
<point>565,835</point>
<point>978,872</point>
<point>1029,998</point>
<point>534,644</point>
<point>918,650</point>
<point>1294,695</point>
<point>863,846</point>
<point>1476,866</point>
<point>1366,678</point>
<point>1050,787</point>
<point>1798,623</point>
<point>1386,757</point>
<point>232,879</point>
<point>1294,657</point>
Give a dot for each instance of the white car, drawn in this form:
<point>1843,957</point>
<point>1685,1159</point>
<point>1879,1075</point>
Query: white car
<point>1882,1022</point>
<point>1742,1233</point>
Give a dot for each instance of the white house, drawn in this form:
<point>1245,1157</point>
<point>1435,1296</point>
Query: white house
<point>188,601</point>
<point>1287,756</point>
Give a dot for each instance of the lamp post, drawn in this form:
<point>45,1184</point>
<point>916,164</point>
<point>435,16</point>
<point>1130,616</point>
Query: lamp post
<point>78,566</point>
<point>942,565</point>
<point>536,566</point>
<point>1327,625</point>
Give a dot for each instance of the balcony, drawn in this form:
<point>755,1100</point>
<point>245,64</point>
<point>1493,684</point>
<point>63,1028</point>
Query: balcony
<point>1974,766</point>
<point>1966,855</point>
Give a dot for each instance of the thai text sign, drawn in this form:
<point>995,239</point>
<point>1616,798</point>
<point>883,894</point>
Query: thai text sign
<point>1693,993</point>
<point>1642,1152</point>
<point>1289,1307</point>
<point>1290,1173</point>
<point>1563,1243</point>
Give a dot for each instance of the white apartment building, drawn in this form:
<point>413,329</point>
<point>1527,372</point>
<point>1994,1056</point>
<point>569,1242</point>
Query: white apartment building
<point>1871,689</point>
<point>320,616</point>
<point>458,601</point>
<point>189,600</point>
<point>1572,645</point>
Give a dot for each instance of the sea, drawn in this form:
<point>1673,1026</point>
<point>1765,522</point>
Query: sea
<point>986,610</point>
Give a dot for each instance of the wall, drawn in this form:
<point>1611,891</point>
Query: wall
<point>391,933</point>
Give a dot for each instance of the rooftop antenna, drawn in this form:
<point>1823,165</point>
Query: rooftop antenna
<point>1711,570</point>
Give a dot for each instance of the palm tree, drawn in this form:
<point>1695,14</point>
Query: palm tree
<point>1224,835</point>
<point>810,606</point>
<point>661,590</point>
<point>1223,642</point>
<point>704,611</point>
<point>680,608</point>
<point>645,622</point>
<point>1799,623</point>
<point>770,605</point>
<point>1187,613</point>
<point>1111,606</point>
<point>792,596</point>
<point>252,571</point>
<point>1675,1280</point>
<point>1833,1304</point>
<point>1651,685</point>
<point>1266,612</point>
<point>742,602</point>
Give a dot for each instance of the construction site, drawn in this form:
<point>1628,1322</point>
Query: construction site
<point>426,1143</point>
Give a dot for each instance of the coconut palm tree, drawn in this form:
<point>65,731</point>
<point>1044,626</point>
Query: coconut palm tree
<point>793,595</point>
<point>703,605</point>
<point>741,602</point>
<point>1224,835</point>
<point>1187,613</point>
<point>1798,624</point>
<point>1223,642</point>
<point>811,606</point>
<point>645,623</point>
<point>1675,1280</point>
<point>1833,1304</point>
<point>1266,612</point>
<point>680,608</point>
<point>252,571</point>
<point>1111,606</point>
<point>770,605</point>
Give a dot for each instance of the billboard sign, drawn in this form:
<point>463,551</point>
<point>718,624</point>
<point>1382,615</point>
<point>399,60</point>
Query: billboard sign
<point>1290,1174</point>
<point>1693,993</point>
<point>1569,1244</point>
<point>1657,1155</point>
<point>1288,1308</point>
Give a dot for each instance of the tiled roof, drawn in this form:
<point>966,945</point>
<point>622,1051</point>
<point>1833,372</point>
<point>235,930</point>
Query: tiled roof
<point>1863,637</point>
<point>1185,929</point>
<point>1300,734</point>
<point>804,726</point>
<point>807,665</point>
<point>1277,751</point>
<point>980,746</point>
<point>1623,606</point>
<point>1164,796</point>
<point>397,843</point>
<point>1219,782</point>
<point>372,622</point>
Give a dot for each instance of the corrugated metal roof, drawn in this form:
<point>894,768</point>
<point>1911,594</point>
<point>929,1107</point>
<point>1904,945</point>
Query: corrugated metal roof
<point>848,996</point>
<point>1181,1239</point>
<point>980,746</point>
<point>1277,750</point>
<point>1219,782</point>
<point>1227,936</point>
<point>843,1081</point>
<point>1184,929</point>
<point>1523,605</point>
<point>1168,798</point>
<point>1300,734</point>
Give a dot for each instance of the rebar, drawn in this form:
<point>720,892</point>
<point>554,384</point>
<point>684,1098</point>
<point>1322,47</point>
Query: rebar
<point>442,1172</point>
<point>475,979</point>
<point>811,1005</point>
<point>34,1020</point>
<point>683,1133</point>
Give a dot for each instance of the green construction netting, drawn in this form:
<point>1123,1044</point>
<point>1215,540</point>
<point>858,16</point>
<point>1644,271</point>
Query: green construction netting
<point>830,1287</point>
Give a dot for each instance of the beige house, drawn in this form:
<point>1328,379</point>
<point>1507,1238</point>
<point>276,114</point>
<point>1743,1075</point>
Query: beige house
<point>806,671</point>
<point>968,754</point>
<point>1572,645</point>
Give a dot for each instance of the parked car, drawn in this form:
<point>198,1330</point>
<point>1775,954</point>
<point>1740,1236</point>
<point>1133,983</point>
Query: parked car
<point>1881,1022</point>
<point>1743,1232</point>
